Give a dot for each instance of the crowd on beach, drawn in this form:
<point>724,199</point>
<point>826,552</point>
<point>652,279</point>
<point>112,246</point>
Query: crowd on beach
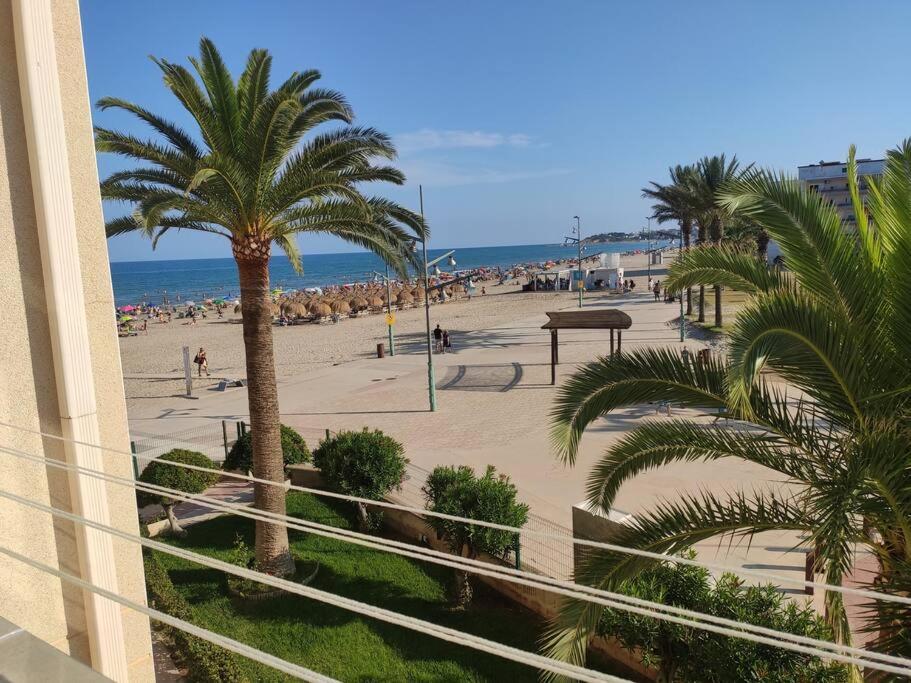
<point>332,303</point>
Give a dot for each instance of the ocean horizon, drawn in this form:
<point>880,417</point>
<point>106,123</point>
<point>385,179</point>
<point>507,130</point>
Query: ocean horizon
<point>192,279</point>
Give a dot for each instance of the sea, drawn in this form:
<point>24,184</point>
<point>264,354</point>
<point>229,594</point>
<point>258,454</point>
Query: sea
<point>162,281</point>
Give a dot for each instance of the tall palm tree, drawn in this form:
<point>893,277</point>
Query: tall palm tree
<point>248,175</point>
<point>817,388</point>
<point>676,202</point>
<point>713,174</point>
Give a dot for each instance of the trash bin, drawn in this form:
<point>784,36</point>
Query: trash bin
<point>380,350</point>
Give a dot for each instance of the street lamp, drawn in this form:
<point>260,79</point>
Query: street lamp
<point>648,248</point>
<point>388,308</point>
<point>577,231</point>
<point>431,389</point>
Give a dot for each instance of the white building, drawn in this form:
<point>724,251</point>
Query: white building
<point>830,179</point>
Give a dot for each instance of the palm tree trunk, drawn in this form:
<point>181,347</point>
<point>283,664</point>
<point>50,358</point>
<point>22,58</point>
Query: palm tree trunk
<point>273,554</point>
<point>718,320</point>
<point>701,303</point>
<point>717,234</point>
<point>687,228</point>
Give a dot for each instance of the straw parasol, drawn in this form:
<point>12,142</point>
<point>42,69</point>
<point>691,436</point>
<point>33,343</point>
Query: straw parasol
<point>295,310</point>
<point>320,309</point>
<point>358,303</point>
<point>405,298</point>
<point>341,307</point>
<point>376,302</point>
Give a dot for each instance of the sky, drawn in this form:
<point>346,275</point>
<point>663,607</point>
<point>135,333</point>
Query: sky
<point>517,115</point>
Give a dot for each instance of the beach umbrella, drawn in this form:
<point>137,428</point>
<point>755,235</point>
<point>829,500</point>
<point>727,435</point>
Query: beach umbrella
<point>341,307</point>
<point>125,318</point>
<point>127,308</point>
<point>315,306</point>
<point>358,303</point>
<point>405,298</point>
<point>220,302</point>
<point>295,310</point>
<point>275,310</point>
<point>322,310</point>
<point>190,304</point>
<point>375,302</point>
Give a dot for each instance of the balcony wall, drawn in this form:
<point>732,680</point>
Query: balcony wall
<point>35,601</point>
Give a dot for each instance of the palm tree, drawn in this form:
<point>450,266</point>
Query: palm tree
<point>817,388</point>
<point>676,202</point>
<point>713,174</point>
<point>250,177</point>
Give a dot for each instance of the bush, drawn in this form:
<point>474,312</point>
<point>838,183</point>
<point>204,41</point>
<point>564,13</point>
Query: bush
<point>364,464</point>
<point>490,498</point>
<point>206,663</point>
<point>294,450</point>
<point>691,654</point>
<point>160,473</point>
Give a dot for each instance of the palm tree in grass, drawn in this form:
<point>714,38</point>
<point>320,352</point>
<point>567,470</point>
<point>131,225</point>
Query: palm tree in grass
<point>254,173</point>
<point>712,174</point>
<point>816,388</point>
<point>676,202</point>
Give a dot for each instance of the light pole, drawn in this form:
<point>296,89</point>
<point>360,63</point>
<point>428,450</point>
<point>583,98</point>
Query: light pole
<point>388,309</point>
<point>431,389</point>
<point>577,231</point>
<point>648,248</point>
<point>579,243</point>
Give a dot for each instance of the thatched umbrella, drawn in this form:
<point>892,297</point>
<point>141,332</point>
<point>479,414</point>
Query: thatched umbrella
<point>375,302</point>
<point>295,310</point>
<point>405,298</point>
<point>341,307</point>
<point>237,309</point>
<point>322,310</point>
<point>276,310</point>
<point>358,303</point>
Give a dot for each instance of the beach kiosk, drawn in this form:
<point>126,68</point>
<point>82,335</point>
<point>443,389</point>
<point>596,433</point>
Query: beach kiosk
<point>604,319</point>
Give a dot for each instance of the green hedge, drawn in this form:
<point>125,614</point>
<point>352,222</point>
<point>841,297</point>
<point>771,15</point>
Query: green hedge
<point>366,464</point>
<point>206,663</point>
<point>159,473</point>
<point>294,450</point>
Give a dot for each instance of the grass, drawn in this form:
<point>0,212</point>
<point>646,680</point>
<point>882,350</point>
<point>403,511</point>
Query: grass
<point>339,643</point>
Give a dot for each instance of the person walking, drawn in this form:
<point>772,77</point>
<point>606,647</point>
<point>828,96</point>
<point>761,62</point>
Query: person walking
<point>202,362</point>
<point>438,338</point>
<point>657,289</point>
<point>651,284</point>
<point>447,342</point>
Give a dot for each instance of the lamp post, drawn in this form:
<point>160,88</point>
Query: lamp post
<point>388,308</point>
<point>577,231</point>
<point>431,389</point>
<point>648,248</point>
<point>579,243</point>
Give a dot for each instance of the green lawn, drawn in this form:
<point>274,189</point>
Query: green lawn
<point>339,643</point>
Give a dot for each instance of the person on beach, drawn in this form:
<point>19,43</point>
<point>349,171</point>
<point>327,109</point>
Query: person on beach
<point>447,342</point>
<point>657,289</point>
<point>438,338</point>
<point>202,362</point>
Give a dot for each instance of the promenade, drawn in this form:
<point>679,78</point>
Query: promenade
<point>493,402</point>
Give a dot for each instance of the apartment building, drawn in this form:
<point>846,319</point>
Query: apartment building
<point>830,179</point>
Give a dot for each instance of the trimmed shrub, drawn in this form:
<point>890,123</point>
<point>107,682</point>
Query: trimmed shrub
<point>206,663</point>
<point>691,654</point>
<point>294,450</point>
<point>489,498</point>
<point>160,473</point>
<point>366,464</point>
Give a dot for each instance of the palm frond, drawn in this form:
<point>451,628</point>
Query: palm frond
<point>726,266</point>
<point>634,378</point>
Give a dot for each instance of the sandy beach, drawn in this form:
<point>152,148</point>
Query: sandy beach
<point>153,361</point>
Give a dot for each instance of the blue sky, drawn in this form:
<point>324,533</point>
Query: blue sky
<point>515,116</point>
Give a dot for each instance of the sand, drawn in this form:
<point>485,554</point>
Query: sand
<point>153,361</point>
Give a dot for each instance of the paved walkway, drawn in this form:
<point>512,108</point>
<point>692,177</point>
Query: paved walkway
<point>494,398</point>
